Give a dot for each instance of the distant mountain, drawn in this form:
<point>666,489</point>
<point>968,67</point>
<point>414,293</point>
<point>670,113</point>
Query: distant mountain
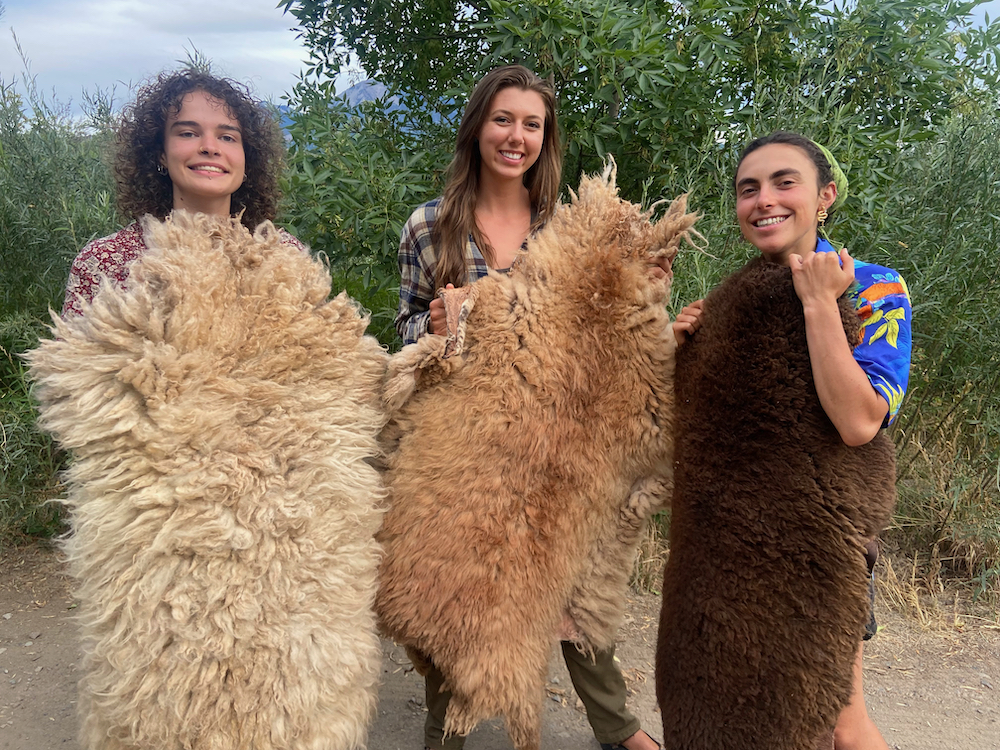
<point>363,91</point>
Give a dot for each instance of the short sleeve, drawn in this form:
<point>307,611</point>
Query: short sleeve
<point>886,341</point>
<point>106,258</point>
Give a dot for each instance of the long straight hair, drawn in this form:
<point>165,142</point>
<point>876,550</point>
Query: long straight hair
<point>456,215</point>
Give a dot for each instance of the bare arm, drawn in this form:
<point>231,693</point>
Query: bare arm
<point>848,398</point>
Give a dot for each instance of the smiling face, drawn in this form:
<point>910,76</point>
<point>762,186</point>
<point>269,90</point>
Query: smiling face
<point>777,201</point>
<point>203,154</point>
<point>510,138</point>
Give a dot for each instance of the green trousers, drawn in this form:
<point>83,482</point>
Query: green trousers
<point>597,681</point>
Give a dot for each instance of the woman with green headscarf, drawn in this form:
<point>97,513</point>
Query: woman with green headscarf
<point>786,185</point>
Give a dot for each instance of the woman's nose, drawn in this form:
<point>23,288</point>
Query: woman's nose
<point>209,146</point>
<point>765,197</point>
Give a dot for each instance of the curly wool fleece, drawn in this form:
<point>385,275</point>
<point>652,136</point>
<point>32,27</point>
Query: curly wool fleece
<point>220,412</point>
<point>765,592</point>
<point>523,467</point>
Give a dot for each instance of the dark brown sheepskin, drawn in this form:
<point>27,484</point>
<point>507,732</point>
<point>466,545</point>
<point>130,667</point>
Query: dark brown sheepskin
<point>765,591</point>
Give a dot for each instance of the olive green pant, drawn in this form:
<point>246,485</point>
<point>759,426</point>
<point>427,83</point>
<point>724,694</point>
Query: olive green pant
<point>598,682</point>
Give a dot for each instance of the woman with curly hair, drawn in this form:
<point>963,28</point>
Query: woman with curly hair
<point>192,141</point>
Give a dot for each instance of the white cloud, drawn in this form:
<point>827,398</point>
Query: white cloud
<point>84,45</point>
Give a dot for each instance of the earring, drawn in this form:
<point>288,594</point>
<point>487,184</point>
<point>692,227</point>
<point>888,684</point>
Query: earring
<point>821,216</point>
<point>160,168</point>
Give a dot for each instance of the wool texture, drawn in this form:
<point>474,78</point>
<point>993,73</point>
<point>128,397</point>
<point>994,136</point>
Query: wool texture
<point>765,590</point>
<point>523,465</point>
<point>222,413</point>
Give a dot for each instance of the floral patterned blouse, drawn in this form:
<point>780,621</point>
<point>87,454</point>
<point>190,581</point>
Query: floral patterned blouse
<point>110,258</point>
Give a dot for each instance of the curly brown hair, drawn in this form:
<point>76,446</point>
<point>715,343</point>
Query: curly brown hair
<point>142,189</point>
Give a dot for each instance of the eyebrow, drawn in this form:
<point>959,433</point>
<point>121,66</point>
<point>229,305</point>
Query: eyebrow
<point>193,124</point>
<point>507,112</point>
<point>772,176</point>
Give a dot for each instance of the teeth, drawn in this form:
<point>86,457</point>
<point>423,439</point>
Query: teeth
<point>208,169</point>
<point>511,155</point>
<point>769,222</point>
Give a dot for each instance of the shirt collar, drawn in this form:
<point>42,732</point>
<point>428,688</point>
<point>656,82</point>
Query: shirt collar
<point>823,246</point>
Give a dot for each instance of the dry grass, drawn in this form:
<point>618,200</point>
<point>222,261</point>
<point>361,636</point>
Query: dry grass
<point>647,572</point>
<point>919,592</point>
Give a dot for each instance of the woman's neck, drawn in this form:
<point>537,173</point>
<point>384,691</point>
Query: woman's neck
<point>220,207</point>
<point>803,248</point>
<point>502,197</point>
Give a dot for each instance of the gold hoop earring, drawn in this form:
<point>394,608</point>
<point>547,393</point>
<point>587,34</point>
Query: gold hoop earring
<point>821,216</point>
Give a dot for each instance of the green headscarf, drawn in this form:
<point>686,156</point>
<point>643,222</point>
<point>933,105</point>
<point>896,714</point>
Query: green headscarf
<point>839,178</point>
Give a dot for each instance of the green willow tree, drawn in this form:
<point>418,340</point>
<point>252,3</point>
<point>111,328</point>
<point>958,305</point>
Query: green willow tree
<point>905,92</point>
<point>670,89</point>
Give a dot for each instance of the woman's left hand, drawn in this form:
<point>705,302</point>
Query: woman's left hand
<point>821,277</point>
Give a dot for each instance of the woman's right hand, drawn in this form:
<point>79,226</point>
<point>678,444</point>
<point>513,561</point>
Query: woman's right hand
<point>688,321</point>
<point>438,323</point>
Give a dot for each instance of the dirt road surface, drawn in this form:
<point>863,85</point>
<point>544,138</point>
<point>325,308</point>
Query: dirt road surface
<point>926,689</point>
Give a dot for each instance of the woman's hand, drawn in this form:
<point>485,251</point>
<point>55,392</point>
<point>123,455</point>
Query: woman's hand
<point>688,321</point>
<point>438,323</point>
<point>821,277</point>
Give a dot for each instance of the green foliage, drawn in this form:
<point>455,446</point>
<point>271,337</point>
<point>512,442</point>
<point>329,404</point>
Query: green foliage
<point>942,226</point>
<point>29,460</point>
<point>55,195</point>
<point>659,84</point>
<point>422,46</point>
<point>354,176</point>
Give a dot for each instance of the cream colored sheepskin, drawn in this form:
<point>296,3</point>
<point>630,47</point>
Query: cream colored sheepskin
<point>523,467</point>
<point>221,413</point>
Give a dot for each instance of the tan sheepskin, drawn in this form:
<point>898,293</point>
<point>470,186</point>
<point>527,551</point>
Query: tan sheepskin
<point>221,414</point>
<point>522,467</point>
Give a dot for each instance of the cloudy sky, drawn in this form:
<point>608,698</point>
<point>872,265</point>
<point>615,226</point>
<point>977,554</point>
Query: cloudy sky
<point>77,45</point>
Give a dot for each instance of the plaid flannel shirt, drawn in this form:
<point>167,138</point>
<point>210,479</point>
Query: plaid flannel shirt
<point>418,267</point>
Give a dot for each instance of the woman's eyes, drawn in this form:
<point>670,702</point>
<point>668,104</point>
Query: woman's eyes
<point>504,120</point>
<point>227,137</point>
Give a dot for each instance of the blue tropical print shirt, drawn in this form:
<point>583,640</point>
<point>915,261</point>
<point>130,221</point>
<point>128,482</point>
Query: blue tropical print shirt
<point>882,301</point>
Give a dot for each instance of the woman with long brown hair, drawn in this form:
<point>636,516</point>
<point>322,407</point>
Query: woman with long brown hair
<point>502,186</point>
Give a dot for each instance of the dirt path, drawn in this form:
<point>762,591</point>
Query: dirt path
<point>926,690</point>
